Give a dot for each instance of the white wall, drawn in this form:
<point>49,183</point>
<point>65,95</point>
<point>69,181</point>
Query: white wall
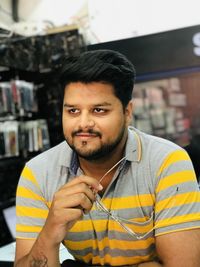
<point>103,20</point>
<point>110,20</point>
<point>58,12</point>
<point>36,15</point>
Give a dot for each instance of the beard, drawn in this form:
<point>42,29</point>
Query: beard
<point>103,151</point>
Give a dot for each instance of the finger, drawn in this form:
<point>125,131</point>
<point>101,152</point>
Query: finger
<point>73,200</point>
<point>77,188</point>
<point>91,182</point>
<point>80,201</point>
<point>74,214</point>
<point>70,215</point>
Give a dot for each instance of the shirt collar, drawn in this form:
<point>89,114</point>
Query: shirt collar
<point>65,155</point>
<point>133,149</point>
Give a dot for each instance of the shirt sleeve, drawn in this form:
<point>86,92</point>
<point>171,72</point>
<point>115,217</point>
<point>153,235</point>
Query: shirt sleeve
<point>177,195</point>
<point>31,206</point>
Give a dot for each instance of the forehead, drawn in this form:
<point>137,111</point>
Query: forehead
<point>77,90</point>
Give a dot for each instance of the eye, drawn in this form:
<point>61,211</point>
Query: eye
<point>99,110</point>
<point>73,110</point>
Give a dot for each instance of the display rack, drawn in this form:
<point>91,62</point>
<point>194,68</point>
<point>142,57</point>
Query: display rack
<point>30,105</point>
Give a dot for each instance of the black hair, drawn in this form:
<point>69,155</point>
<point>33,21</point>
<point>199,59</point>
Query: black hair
<point>105,66</point>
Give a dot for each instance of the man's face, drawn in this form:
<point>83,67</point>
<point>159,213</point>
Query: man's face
<point>94,122</point>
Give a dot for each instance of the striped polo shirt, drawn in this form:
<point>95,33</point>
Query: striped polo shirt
<point>153,192</point>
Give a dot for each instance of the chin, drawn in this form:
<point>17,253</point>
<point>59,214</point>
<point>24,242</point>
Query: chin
<point>85,154</point>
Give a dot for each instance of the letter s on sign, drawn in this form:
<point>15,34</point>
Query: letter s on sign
<point>196,42</point>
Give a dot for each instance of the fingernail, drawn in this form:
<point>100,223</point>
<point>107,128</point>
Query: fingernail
<point>100,187</point>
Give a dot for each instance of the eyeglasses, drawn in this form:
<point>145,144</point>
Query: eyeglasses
<point>121,221</point>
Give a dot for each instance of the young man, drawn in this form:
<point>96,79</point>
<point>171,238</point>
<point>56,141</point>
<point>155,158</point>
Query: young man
<point>110,193</point>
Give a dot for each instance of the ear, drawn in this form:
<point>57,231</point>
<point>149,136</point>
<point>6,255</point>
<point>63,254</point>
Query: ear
<point>129,112</point>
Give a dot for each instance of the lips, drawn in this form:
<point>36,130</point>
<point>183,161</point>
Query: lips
<point>86,135</point>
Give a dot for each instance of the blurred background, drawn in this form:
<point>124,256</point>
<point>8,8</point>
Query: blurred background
<point>161,38</point>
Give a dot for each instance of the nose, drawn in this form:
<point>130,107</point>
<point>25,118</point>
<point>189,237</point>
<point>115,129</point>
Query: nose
<point>86,121</point>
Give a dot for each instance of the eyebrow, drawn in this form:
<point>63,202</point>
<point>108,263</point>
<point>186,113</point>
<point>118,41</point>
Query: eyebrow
<point>95,105</point>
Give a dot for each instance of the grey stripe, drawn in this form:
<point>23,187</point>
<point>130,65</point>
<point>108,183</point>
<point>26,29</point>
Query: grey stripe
<point>114,252</point>
<point>130,184</point>
<point>178,227</point>
<point>178,166</point>
<point>30,221</point>
<point>177,189</point>
<point>177,211</point>
<point>29,185</point>
<point>32,203</point>
<point>82,236</point>
<point>131,214</point>
<point>26,235</point>
<point>125,213</point>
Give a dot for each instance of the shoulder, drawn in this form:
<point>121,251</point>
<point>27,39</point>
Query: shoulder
<point>158,154</point>
<point>158,144</point>
<point>48,170</point>
<point>153,146</point>
<point>57,155</point>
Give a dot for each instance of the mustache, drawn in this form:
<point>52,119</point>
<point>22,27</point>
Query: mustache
<point>90,131</point>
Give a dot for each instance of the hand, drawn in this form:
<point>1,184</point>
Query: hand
<point>68,205</point>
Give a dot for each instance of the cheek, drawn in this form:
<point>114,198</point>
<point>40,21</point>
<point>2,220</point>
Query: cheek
<point>67,126</point>
<point>114,126</point>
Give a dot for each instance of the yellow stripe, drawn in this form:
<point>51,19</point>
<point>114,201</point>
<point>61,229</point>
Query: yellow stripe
<point>31,212</point>
<point>178,219</point>
<point>129,202</point>
<point>175,179</point>
<point>111,243</point>
<point>22,237</point>
<point>178,200</point>
<point>28,174</point>
<point>113,261</point>
<point>28,228</point>
<point>86,225</point>
<point>27,193</point>
<point>175,156</point>
<point>111,225</point>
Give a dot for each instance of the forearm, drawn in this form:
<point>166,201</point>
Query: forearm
<point>42,254</point>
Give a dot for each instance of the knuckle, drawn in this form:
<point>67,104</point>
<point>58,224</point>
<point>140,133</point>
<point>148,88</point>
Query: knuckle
<point>82,197</point>
<point>80,178</point>
<point>84,187</point>
<point>56,195</point>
